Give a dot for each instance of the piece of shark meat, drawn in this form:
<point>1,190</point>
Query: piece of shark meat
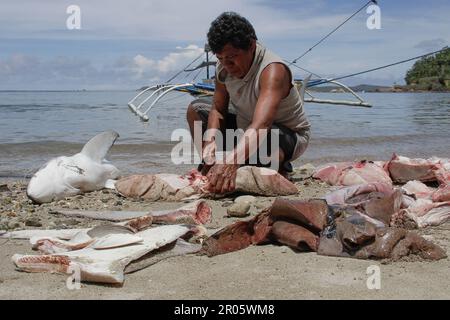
<point>252,180</point>
<point>197,212</point>
<point>67,176</point>
<point>331,247</point>
<point>311,214</point>
<point>55,245</point>
<point>264,182</point>
<point>403,169</point>
<point>403,220</point>
<point>442,194</point>
<point>376,202</point>
<point>436,216</point>
<point>354,237</point>
<point>138,224</point>
<point>382,208</point>
<point>393,243</point>
<point>104,266</point>
<point>415,244</point>
<point>355,232</point>
<point>427,213</point>
<point>340,196</point>
<point>384,242</point>
<point>173,249</point>
<point>418,190</point>
<point>239,235</point>
<point>168,187</point>
<point>294,236</point>
<point>350,174</point>
<point>443,173</point>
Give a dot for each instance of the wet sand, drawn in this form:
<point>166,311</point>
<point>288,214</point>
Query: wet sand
<point>259,272</point>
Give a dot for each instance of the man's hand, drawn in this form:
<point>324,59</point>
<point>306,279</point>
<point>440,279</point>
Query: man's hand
<point>222,178</point>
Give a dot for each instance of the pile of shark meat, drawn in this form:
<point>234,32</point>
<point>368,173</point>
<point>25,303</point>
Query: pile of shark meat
<point>328,230</point>
<point>401,179</point>
<point>172,187</point>
<point>105,253</point>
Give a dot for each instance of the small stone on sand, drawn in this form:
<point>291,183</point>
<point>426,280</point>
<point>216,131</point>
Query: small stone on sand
<point>239,210</point>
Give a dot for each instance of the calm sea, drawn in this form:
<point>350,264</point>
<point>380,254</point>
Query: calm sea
<point>36,126</point>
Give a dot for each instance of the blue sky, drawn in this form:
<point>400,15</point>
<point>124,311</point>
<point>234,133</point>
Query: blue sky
<point>128,44</point>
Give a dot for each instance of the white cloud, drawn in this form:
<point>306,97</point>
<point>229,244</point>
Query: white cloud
<point>71,72</point>
<point>172,62</point>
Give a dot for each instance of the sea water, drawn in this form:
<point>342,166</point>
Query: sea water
<point>36,126</point>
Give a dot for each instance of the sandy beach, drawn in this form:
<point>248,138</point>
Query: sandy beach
<point>259,272</point>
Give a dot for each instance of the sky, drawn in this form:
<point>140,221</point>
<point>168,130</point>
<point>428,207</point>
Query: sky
<point>129,44</point>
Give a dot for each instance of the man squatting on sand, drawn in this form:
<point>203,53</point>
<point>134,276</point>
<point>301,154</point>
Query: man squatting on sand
<point>254,90</point>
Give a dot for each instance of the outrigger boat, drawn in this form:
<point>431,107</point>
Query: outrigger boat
<point>145,100</point>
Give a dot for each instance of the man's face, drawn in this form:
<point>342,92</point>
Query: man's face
<point>236,62</point>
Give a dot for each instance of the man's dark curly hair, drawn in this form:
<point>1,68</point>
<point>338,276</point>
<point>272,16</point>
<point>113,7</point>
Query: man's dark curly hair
<point>231,28</point>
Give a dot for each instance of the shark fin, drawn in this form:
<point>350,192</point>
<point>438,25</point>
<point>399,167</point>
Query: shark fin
<point>98,147</point>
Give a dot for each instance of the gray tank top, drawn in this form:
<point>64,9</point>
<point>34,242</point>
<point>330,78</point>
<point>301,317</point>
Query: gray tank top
<point>244,93</point>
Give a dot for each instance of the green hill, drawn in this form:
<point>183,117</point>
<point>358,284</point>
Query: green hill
<point>430,73</point>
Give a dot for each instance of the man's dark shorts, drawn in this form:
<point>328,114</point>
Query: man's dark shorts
<point>288,139</point>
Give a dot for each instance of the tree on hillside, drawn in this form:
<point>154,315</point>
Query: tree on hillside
<point>432,69</point>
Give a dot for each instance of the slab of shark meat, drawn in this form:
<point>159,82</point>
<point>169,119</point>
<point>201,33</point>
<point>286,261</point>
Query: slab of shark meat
<point>375,202</point>
<point>350,173</point>
<point>403,169</point>
<point>295,236</point>
<point>442,194</point>
<point>286,216</point>
<point>418,189</point>
<point>84,172</point>
<point>98,264</point>
<point>197,212</point>
<point>427,213</point>
<point>443,173</point>
<point>239,235</point>
<point>340,196</point>
<point>171,187</point>
<point>356,238</point>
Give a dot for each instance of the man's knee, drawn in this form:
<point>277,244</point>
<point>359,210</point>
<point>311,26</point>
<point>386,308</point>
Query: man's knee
<point>191,114</point>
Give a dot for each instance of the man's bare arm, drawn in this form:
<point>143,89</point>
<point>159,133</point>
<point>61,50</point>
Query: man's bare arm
<point>275,85</point>
<point>219,109</point>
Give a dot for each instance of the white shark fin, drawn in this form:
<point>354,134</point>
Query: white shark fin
<point>98,147</point>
